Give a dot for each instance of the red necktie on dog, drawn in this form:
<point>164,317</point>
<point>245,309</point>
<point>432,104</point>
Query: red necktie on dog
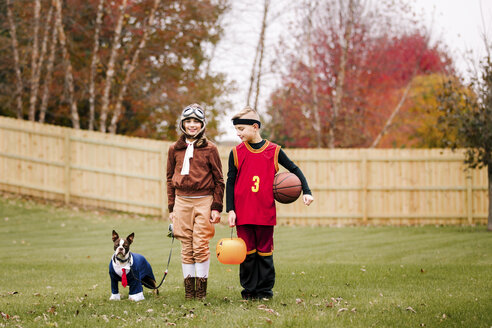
<point>123,278</point>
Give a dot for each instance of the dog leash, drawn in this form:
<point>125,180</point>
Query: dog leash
<point>169,234</point>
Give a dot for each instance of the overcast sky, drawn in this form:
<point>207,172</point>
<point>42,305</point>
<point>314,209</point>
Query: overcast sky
<point>460,24</point>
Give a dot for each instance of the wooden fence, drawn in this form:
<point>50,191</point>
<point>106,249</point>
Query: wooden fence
<point>350,186</point>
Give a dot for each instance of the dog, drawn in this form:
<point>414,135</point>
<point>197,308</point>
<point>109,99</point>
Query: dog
<point>131,269</point>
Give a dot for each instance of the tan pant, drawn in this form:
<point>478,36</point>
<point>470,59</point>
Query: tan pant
<point>193,228</point>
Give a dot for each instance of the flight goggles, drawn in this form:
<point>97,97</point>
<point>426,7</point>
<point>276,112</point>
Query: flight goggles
<point>190,110</point>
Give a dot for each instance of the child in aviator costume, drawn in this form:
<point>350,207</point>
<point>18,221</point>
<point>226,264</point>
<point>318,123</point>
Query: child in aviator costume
<point>195,188</point>
<point>250,203</point>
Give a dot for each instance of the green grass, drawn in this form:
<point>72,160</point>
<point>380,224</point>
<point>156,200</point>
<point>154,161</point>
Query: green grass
<point>54,273</point>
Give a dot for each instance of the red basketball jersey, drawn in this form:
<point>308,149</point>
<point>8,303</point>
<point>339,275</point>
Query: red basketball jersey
<point>253,191</point>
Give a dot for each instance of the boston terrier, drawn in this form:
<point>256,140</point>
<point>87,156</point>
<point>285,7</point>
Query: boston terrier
<point>131,269</point>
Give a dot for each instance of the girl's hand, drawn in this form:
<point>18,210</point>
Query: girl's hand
<point>172,216</point>
<point>232,219</point>
<point>308,199</point>
<point>215,216</point>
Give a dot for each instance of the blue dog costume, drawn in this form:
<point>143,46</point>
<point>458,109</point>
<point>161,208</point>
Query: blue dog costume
<point>136,267</point>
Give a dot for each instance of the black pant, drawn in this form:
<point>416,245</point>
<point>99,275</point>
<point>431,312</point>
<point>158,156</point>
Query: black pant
<point>257,276</point>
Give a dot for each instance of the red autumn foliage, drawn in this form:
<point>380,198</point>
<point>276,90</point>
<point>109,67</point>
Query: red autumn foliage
<point>378,68</point>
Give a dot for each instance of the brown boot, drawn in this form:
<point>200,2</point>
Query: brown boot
<point>189,284</point>
<point>201,288</point>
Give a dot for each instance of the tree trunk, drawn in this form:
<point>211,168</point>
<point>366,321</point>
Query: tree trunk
<point>337,104</point>
<point>15,50</point>
<point>258,56</point>
<point>39,65</point>
<point>262,48</point>
<point>68,67</point>
<point>129,68</point>
<point>392,116</point>
<point>49,73</point>
<point>489,170</point>
<point>313,79</point>
<point>34,62</point>
<point>110,70</point>
<point>94,62</point>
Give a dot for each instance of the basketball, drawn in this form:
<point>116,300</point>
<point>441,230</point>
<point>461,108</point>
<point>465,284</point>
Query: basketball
<point>286,187</point>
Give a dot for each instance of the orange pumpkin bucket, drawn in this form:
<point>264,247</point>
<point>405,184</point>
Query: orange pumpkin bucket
<point>231,250</point>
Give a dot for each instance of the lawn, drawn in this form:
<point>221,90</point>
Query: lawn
<point>54,273</point>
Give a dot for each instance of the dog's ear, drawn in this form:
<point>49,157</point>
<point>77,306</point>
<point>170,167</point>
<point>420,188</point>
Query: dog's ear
<point>130,238</point>
<point>115,236</point>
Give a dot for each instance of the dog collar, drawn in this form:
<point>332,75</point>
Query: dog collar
<point>120,260</point>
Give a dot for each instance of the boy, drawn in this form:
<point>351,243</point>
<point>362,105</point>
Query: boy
<point>195,188</point>
<point>250,203</point>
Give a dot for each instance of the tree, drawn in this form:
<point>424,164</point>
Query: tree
<point>421,102</point>
<point>127,66</point>
<point>364,58</point>
<point>471,115</point>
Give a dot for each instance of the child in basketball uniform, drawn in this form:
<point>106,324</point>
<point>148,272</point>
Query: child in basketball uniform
<point>250,203</point>
<point>195,188</point>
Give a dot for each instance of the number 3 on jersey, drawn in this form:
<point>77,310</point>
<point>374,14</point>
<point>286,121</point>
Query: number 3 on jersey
<point>256,184</point>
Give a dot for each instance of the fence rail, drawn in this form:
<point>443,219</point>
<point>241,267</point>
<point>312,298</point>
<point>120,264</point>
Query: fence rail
<point>350,186</point>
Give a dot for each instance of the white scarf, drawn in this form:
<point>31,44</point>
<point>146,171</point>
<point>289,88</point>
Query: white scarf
<point>186,161</point>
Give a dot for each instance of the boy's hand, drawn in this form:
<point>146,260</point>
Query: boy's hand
<point>232,219</point>
<point>308,199</point>
<point>172,216</point>
<point>215,216</point>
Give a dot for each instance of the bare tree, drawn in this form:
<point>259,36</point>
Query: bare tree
<point>348,23</point>
<point>69,82</point>
<point>37,73</point>
<point>49,73</point>
<point>110,71</point>
<point>94,62</point>
<point>15,50</point>
<point>256,69</point>
<point>129,67</point>
<point>34,61</point>
<point>312,73</point>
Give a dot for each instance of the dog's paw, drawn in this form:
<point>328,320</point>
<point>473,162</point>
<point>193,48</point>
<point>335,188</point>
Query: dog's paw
<point>136,297</point>
<point>115,297</point>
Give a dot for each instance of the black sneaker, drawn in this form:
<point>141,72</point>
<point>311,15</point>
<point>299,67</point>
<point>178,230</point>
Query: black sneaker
<point>248,295</point>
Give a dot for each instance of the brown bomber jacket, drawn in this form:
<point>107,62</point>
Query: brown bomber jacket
<point>205,176</point>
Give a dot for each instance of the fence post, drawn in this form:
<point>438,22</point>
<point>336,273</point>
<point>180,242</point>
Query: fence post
<point>67,150</point>
<point>163,182</point>
<point>469,196</point>
<point>364,187</point>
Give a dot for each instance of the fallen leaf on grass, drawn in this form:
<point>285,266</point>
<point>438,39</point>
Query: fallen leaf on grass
<point>341,310</point>
<point>299,300</point>
<point>52,310</point>
<point>410,309</point>
<point>265,308</point>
